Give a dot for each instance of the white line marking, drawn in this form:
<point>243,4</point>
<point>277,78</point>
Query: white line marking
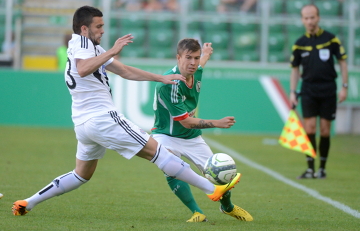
<point>280,177</point>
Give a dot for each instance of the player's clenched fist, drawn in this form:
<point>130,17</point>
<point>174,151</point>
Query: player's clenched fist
<point>226,122</point>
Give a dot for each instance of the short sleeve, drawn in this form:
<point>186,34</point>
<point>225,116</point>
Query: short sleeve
<point>338,49</point>
<point>171,97</point>
<point>295,59</point>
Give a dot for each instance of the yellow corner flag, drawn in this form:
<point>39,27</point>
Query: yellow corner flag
<point>293,136</point>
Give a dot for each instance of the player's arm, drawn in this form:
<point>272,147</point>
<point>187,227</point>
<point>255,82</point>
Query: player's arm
<point>344,75</point>
<point>207,50</point>
<point>294,79</point>
<point>88,66</point>
<point>132,73</point>
<point>197,123</point>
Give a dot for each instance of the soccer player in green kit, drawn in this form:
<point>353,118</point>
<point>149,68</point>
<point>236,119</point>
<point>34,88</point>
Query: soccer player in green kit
<point>179,131</point>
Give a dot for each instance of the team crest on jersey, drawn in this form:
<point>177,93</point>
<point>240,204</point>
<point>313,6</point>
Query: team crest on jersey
<point>198,86</point>
<point>183,98</point>
<point>324,54</point>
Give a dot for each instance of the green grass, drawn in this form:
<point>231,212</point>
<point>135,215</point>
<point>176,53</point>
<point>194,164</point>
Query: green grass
<point>133,194</point>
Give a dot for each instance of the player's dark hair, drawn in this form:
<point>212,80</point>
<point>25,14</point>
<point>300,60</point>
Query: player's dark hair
<point>317,9</point>
<point>189,44</point>
<point>84,16</point>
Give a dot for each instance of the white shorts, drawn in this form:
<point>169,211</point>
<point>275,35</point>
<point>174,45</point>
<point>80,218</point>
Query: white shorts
<point>195,150</point>
<point>109,131</point>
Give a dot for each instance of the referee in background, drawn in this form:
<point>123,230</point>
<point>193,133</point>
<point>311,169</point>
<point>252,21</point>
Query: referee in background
<point>314,51</point>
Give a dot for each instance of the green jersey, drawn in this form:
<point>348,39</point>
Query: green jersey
<point>173,103</point>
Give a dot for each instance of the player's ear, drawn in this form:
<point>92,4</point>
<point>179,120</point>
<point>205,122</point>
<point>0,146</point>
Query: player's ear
<point>84,30</point>
<point>177,57</point>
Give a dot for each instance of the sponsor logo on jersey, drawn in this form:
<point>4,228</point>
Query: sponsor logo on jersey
<point>198,86</point>
<point>142,131</point>
<point>324,54</point>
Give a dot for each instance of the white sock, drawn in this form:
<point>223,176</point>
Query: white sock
<point>60,185</point>
<point>177,168</point>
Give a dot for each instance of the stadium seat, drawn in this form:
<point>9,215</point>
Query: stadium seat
<point>219,39</point>
<point>328,7</point>
<point>190,26</point>
<point>357,60</point>
<point>331,27</point>
<point>216,23</point>
<point>276,28</point>
<point>291,39</point>
<point>244,27</point>
<point>294,6</point>
<point>297,27</point>
<point>246,55</point>
<point>357,41</point>
<point>276,57</point>
<point>210,5</point>
<point>194,5</point>
<point>132,52</point>
<point>162,38</point>
<point>157,24</point>
<point>248,40</point>
<point>133,22</point>
<point>276,41</point>
<point>276,6</point>
<point>139,35</point>
<point>161,52</point>
<point>220,54</point>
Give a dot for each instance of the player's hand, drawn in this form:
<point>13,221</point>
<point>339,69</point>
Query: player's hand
<point>226,122</point>
<point>207,49</point>
<point>121,42</point>
<point>342,95</point>
<point>168,79</point>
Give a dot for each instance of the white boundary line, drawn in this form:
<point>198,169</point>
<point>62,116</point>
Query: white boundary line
<point>281,178</point>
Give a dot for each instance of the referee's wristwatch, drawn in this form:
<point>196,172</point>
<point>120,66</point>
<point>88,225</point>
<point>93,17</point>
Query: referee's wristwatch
<point>345,85</point>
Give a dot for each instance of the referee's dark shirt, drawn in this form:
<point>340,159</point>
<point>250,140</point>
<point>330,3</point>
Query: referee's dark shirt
<point>315,54</point>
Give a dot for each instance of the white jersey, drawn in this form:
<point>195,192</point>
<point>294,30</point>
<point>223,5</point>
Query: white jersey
<point>91,95</point>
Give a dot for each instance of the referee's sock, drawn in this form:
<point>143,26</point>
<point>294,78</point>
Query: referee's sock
<point>324,147</point>
<point>309,159</point>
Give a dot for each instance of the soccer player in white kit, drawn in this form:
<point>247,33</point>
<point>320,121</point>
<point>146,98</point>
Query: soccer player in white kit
<point>98,124</point>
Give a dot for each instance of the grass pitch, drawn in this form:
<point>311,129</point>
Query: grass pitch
<point>133,194</point>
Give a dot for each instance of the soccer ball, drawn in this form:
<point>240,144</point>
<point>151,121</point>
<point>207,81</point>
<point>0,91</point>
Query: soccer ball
<point>220,169</point>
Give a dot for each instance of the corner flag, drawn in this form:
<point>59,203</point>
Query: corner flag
<point>293,136</point>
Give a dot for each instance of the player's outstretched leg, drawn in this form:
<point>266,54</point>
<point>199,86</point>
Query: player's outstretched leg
<point>60,185</point>
<point>182,190</point>
<point>220,190</point>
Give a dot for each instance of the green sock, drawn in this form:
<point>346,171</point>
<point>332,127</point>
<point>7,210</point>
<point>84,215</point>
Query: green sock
<point>226,202</point>
<point>183,192</point>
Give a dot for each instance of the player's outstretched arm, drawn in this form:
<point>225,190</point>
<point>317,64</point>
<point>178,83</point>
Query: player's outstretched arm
<point>88,66</point>
<point>207,50</point>
<point>197,123</point>
<point>132,73</point>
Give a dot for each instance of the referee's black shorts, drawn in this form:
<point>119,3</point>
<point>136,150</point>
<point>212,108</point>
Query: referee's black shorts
<point>325,107</point>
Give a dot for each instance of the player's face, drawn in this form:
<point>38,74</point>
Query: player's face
<point>310,19</point>
<point>188,62</point>
<point>95,31</point>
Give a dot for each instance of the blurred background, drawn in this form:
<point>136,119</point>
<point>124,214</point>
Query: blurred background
<point>252,39</point>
